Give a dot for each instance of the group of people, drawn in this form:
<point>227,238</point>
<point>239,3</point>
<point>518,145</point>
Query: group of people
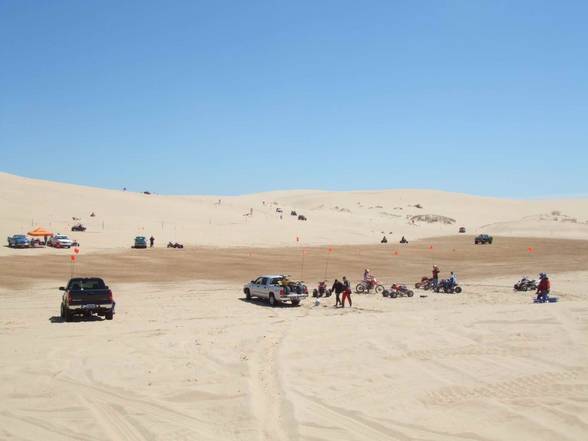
<point>342,290</point>
<point>451,281</point>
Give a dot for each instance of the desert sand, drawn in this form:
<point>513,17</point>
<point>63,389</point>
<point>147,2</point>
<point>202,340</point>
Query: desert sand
<point>188,358</point>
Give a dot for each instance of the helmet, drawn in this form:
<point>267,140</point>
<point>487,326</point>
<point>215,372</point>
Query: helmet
<point>542,275</point>
<point>367,270</point>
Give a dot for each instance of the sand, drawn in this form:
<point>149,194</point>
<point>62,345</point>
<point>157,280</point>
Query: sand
<point>188,358</point>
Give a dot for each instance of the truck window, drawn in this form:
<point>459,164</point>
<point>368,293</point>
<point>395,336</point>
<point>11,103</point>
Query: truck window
<point>258,281</point>
<point>275,280</point>
<point>264,281</point>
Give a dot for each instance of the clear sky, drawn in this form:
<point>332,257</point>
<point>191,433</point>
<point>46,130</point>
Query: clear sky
<point>486,97</point>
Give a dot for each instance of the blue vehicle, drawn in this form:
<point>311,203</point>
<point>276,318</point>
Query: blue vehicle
<point>140,242</point>
<point>19,241</point>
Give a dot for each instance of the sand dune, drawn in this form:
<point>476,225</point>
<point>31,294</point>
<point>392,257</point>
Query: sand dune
<point>188,358</point>
<point>333,217</point>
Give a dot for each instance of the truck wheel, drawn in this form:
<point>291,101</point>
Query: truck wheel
<point>295,302</point>
<point>272,300</point>
<point>62,314</point>
<point>109,315</point>
<point>247,294</point>
<point>67,316</point>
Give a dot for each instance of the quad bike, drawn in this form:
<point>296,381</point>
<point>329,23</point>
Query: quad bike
<point>78,227</point>
<point>446,286</point>
<point>367,285</point>
<point>174,245</point>
<point>525,285</point>
<point>426,283</point>
<point>398,291</point>
<point>322,290</point>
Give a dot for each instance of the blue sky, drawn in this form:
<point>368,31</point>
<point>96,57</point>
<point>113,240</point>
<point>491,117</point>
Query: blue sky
<point>230,97</point>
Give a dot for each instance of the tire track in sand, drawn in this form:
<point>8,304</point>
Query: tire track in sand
<point>270,405</point>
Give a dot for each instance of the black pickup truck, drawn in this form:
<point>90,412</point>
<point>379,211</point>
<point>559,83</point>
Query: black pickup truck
<point>86,296</point>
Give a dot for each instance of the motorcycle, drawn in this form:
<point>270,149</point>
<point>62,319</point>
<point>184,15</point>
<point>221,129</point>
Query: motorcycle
<point>398,291</point>
<point>525,285</point>
<point>322,290</point>
<point>78,227</point>
<point>367,285</point>
<point>448,287</point>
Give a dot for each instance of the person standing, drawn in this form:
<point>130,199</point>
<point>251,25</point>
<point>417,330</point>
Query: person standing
<point>338,288</point>
<point>543,288</point>
<point>151,241</point>
<point>346,293</point>
<point>436,272</point>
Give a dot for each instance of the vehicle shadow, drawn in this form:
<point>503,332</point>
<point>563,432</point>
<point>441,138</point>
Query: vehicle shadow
<point>76,318</point>
<point>265,303</point>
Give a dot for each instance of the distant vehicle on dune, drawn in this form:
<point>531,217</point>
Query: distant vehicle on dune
<point>483,239</point>
<point>60,241</point>
<point>19,241</point>
<point>140,242</point>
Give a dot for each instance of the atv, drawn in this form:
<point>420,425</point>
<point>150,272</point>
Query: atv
<point>398,291</point>
<point>446,286</point>
<point>525,285</point>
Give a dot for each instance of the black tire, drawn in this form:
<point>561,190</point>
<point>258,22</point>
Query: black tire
<point>67,316</point>
<point>458,289</point>
<point>62,313</point>
<point>417,285</point>
<point>295,302</point>
<point>379,289</point>
<point>108,315</point>
<point>360,288</point>
<point>524,288</point>
<point>247,294</point>
<point>272,300</point>
<point>385,293</point>
<point>410,293</point>
<point>393,294</point>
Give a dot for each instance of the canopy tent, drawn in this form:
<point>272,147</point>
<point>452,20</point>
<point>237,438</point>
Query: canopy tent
<point>40,231</point>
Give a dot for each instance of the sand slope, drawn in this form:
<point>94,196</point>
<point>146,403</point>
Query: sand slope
<point>186,361</point>
<point>333,217</point>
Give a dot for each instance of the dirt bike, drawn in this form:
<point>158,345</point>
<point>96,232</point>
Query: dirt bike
<point>398,291</point>
<point>367,285</point>
<point>322,290</point>
<point>446,286</point>
<point>525,285</point>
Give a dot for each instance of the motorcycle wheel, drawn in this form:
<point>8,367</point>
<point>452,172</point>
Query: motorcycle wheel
<point>360,288</point>
<point>410,293</point>
<point>417,285</point>
<point>458,289</point>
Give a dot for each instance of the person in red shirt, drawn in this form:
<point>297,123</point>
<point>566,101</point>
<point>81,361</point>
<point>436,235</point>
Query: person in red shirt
<point>436,272</point>
<point>543,288</point>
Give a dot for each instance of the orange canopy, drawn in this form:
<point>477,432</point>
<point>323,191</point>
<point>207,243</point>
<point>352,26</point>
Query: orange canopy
<point>40,231</point>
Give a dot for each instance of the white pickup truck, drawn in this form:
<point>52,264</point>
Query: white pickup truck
<point>273,289</point>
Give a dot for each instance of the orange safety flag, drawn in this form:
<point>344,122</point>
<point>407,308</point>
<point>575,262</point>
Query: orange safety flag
<point>530,249</point>
<point>76,250</point>
<point>330,250</point>
<point>396,253</point>
<point>73,258</point>
<point>430,247</point>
